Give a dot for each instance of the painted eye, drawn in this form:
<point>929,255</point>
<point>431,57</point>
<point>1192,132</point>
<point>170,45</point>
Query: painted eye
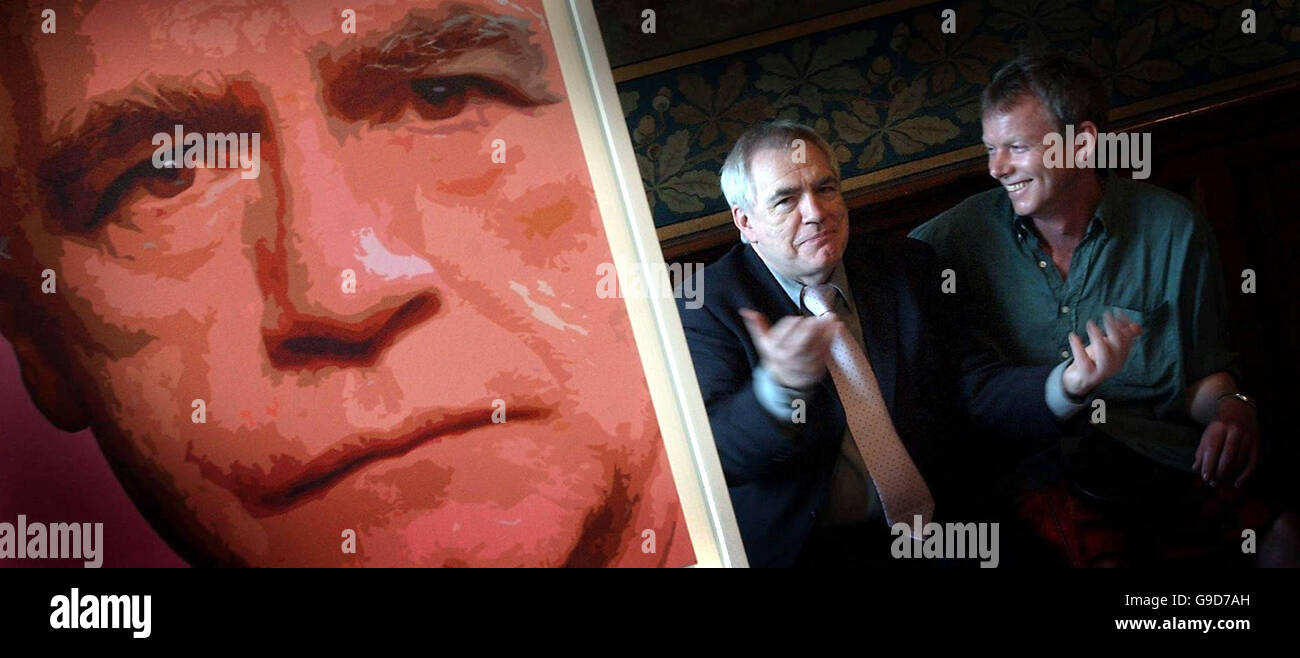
<point>161,182</point>
<point>445,97</point>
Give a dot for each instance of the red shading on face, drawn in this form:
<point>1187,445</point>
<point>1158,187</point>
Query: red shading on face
<point>355,319</point>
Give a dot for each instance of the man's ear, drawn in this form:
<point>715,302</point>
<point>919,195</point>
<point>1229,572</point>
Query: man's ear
<point>741,219</point>
<point>59,400</point>
<point>1085,149</point>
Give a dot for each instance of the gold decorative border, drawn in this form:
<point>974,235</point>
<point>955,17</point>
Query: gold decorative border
<point>760,39</point>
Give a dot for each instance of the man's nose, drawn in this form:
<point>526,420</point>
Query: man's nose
<point>999,164</point>
<point>812,208</point>
<point>341,283</point>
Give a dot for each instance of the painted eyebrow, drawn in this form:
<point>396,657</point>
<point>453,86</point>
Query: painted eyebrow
<point>358,80</point>
<point>114,124</point>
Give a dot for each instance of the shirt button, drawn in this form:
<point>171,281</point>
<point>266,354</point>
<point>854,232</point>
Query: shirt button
<point>1065,309</point>
<point>1065,354</point>
<point>1042,264</point>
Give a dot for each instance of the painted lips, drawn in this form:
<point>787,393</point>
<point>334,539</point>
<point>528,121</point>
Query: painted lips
<point>321,473</point>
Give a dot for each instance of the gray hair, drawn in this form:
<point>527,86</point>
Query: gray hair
<point>777,134</point>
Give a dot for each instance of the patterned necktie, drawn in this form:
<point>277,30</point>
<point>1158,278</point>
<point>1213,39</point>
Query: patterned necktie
<point>903,492</point>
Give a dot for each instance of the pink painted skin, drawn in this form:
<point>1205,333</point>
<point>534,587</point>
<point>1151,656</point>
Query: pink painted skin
<point>475,286</point>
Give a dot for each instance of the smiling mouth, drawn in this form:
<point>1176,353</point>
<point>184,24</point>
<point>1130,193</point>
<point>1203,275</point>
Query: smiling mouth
<point>321,473</point>
<point>1016,187</point>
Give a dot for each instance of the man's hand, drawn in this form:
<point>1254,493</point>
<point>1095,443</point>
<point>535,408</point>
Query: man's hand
<point>794,351</point>
<point>1103,357</point>
<point>1230,444</point>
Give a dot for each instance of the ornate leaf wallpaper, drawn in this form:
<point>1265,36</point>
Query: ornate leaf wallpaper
<point>895,88</point>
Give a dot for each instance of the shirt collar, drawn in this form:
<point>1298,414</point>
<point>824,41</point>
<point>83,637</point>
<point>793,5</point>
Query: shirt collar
<point>839,280</point>
<point>1103,218</point>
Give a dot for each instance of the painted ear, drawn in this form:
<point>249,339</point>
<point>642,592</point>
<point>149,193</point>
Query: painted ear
<point>58,400</point>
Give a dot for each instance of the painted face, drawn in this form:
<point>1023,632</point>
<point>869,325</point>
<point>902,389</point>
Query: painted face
<point>798,222</point>
<point>1013,138</point>
<point>393,329</point>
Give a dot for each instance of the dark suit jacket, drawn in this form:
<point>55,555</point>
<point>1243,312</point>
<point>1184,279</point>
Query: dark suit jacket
<point>934,383</point>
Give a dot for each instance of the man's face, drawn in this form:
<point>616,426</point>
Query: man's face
<point>1013,137</point>
<point>355,320</point>
<point>798,222</point>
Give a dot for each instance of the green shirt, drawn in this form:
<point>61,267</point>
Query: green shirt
<point>1145,253</point>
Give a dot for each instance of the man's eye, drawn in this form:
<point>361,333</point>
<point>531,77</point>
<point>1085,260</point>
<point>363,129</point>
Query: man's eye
<point>445,97</point>
<point>161,182</point>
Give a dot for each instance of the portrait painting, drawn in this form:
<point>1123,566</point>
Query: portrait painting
<point>310,286</point>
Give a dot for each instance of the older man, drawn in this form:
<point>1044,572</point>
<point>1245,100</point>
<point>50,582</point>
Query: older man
<point>1055,244</point>
<point>377,344</point>
<point>826,372</point>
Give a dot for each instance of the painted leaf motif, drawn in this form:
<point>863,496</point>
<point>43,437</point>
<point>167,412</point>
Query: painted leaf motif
<point>773,84</point>
<point>730,84</point>
<point>1195,16</point>
<point>679,202</point>
<point>969,112</point>
<point>673,156</point>
<point>812,98</point>
<point>696,91</point>
<point>973,70</point>
<point>872,155</point>
<point>1003,22</point>
<point>1131,87</point>
<point>799,54</point>
<point>840,77</point>
<point>708,133</point>
<point>628,100</point>
<point>688,114</point>
<point>646,167</point>
<point>1261,51</point>
<point>850,128</point>
<point>777,65</point>
<point>945,76</point>
<point>1156,70</point>
<point>749,110</point>
<point>841,48</point>
<point>697,182</point>
<point>927,131</point>
<point>907,101</point>
<point>921,52</point>
<point>1133,45</point>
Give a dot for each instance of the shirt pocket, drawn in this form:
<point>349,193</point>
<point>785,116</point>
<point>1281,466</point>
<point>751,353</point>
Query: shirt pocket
<point>1150,362</point>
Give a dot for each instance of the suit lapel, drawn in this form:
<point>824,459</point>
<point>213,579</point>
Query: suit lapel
<point>877,305</point>
<point>770,298</point>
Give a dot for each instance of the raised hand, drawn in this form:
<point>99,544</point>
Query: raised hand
<point>794,351</point>
<point>1104,356</point>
